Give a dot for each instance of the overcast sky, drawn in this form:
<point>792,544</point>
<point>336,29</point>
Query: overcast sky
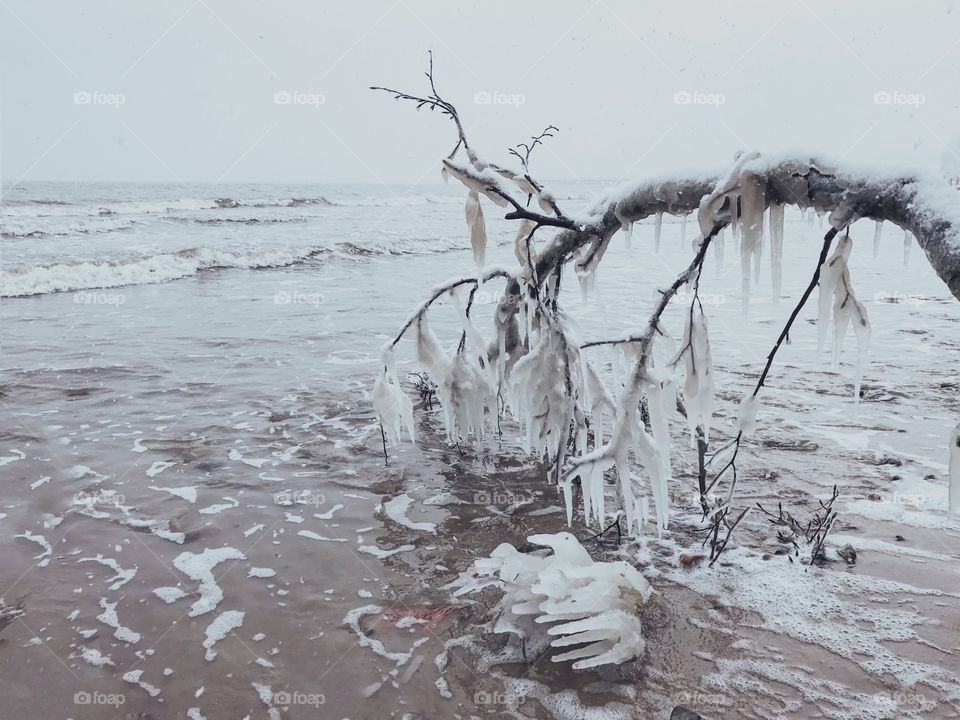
<point>187,90</point>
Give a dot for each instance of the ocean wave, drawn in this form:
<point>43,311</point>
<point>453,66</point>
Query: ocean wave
<point>67,277</point>
<point>64,226</point>
<point>57,208</point>
<point>162,267</point>
<point>248,220</point>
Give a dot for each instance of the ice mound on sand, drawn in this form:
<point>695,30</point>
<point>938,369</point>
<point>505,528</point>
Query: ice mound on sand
<point>581,602</point>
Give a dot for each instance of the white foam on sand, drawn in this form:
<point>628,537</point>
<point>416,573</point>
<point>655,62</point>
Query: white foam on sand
<point>40,540</point>
<point>169,594</point>
<point>328,515</point>
<point>109,618</point>
<point>199,566</point>
<point>826,607</point>
<point>219,508</point>
<point>216,631</point>
<point>380,553</point>
<point>397,509</point>
<point>352,619</point>
<point>121,578</point>
<point>158,467</point>
<point>94,657</point>
<point>188,493</point>
<point>133,677</point>
<point>314,536</point>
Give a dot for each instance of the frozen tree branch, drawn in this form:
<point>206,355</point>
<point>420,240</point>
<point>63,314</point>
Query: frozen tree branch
<point>534,366</point>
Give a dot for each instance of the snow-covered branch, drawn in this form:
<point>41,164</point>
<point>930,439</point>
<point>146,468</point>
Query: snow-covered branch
<point>535,366</point>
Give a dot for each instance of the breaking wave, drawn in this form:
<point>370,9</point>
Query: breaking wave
<point>162,267</point>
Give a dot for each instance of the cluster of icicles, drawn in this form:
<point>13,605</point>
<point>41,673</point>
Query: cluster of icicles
<point>576,600</point>
<point>568,415</point>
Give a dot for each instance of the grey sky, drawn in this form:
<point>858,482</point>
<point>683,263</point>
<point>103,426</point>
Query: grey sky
<point>198,80</point>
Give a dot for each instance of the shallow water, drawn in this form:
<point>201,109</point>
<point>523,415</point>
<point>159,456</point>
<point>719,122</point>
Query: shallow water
<point>249,386</point>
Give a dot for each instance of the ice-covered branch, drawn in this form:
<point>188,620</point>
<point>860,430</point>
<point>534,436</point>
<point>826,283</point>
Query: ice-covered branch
<point>925,206</point>
<point>443,290</point>
<point>748,408</point>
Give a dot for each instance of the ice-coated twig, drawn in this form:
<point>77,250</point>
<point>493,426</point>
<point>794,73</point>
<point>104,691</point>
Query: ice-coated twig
<point>443,290</point>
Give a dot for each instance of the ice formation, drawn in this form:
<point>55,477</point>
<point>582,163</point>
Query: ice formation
<point>776,214</point>
<point>391,403</point>
<point>698,386</point>
<point>877,233</point>
<point>650,451</point>
<point>520,243</point>
<point>478,228</point>
<point>747,415</point>
<point>463,387</point>
<point>588,604</point>
<point>836,294</point>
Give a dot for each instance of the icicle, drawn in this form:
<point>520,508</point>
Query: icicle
<point>586,268</point>
<point>600,402</point>
<point>478,228</point>
<point>758,248</point>
<point>661,400</point>
<point>520,242</point>
<point>445,175</point>
<point>626,225</point>
<point>747,415</point>
<point>718,250</point>
<point>955,471</point>
<point>776,250</point>
<point>698,386</point>
<point>830,273</point>
<point>391,403</point>
<point>877,231</point>
<point>657,227</point>
<point>907,242</point>
<point>752,205</point>
<point>847,310</point>
<point>683,232</point>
